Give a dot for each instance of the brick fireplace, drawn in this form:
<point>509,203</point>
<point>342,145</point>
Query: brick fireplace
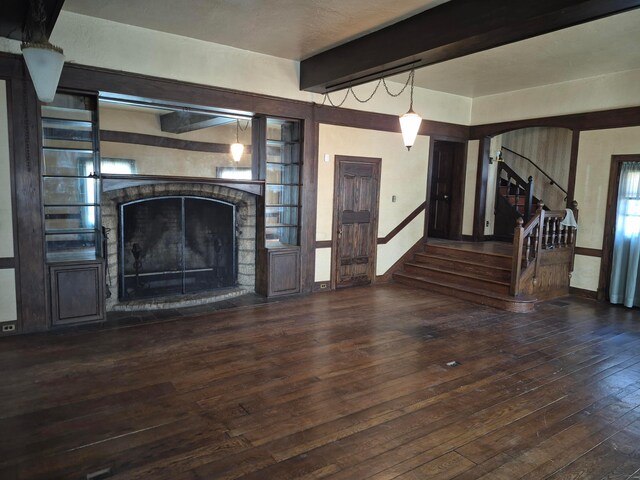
<point>220,248</point>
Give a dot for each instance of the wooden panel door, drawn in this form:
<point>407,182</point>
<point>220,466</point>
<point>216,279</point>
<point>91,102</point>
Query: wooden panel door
<point>357,187</point>
<point>442,170</point>
<point>77,293</point>
<point>284,271</point>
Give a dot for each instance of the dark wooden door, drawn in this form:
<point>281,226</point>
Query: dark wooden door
<point>357,187</point>
<point>442,173</point>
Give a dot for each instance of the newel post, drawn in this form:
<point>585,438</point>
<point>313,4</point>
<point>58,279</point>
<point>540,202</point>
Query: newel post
<point>574,208</point>
<point>528,200</point>
<point>516,265</point>
<point>542,235</point>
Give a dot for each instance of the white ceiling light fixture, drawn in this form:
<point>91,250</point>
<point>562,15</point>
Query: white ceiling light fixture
<point>409,122</point>
<point>237,149</point>
<point>44,60</point>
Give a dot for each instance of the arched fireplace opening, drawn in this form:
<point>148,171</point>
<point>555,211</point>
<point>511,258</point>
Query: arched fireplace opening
<point>176,245</point>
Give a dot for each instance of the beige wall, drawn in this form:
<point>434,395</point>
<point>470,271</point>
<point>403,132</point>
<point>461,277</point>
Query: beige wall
<point>404,174</point>
<point>6,215</point>
<point>102,43</point>
<point>592,182</point>
<point>7,277</point>
<point>550,149</point>
<point>470,187</point>
<point>604,92</point>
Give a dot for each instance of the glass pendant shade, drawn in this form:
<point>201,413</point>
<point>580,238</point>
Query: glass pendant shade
<point>44,62</point>
<point>409,125</point>
<point>236,151</point>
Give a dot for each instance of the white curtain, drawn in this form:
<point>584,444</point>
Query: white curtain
<point>625,285</point>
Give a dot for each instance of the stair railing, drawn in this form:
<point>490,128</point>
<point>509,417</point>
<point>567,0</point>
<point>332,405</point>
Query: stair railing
<point>551,180</point>
<point>526,185</point>
<point>543,232</point>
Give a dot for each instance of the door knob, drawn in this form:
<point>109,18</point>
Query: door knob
<point>446,197</point>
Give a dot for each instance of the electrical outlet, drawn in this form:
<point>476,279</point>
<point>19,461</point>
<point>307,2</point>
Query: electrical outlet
<point>323,286</point>
<point>8,328</point>
<point>487,223</point>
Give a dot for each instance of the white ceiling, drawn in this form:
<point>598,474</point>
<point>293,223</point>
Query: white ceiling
<point>296,29</point>
<point>293,29</point>
<point>608,45</point>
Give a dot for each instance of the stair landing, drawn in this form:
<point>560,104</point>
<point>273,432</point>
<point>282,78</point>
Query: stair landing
<point>479,272</point>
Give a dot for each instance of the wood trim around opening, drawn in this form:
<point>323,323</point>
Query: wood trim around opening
<point>599,120</point>
<point>482,177</point>
<point>459,176</point>
<point>610,221</point>
<point>573,167</point>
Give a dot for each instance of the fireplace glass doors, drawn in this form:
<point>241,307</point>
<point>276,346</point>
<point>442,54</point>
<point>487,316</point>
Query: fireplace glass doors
<point>176,245</point>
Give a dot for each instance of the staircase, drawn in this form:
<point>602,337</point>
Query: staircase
<point>516,196</point>
<point>514,200</point>
<point>512,277</point>
<point>477,276</point>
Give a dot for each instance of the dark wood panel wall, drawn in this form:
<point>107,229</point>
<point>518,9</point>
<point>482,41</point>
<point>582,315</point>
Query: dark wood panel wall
<point>28,228</point>
<point>25,162</point>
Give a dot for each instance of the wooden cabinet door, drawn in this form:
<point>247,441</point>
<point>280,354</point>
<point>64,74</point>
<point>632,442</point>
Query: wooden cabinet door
<point>284,271</point>
<point>357,187</point>
<point>77,293</point>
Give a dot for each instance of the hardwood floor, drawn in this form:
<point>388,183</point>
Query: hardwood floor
<point>342,385</point>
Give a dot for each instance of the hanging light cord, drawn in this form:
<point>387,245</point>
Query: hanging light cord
<point>240,129</point>
<point>382,81</point>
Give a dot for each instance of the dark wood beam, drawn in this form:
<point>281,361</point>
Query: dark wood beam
<point>164,142</point>
<point>183,122</point>
<point>451,30</point>
<point>13,16</point>
<point>598,120</point>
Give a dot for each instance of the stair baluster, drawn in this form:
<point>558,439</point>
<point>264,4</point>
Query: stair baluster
<point>551,232</point>
<point>526,258</point>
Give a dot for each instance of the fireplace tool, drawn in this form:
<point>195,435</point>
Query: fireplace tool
<point>105,242</point>
<point>136,250</point>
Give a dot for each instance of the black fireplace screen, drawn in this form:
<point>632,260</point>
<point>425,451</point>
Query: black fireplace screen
<point>176,245</point>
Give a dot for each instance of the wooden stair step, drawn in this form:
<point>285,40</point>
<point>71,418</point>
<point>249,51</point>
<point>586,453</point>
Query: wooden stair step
<point>466,266</point>
<point>459,278</point>
<point>522,304</point>
<point>484,258</point>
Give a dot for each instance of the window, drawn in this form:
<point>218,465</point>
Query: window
<point>232,173</point>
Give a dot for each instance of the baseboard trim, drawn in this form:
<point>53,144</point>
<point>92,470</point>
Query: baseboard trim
<point>396,267</point>
<point>581,292</point>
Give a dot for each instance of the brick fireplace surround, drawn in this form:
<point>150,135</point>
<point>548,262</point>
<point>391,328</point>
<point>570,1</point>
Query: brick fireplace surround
<point>245,204</point>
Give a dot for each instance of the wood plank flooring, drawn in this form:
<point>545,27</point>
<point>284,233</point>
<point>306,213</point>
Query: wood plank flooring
<point>341,385</point>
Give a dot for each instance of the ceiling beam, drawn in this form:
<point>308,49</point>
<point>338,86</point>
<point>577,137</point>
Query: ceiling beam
<point>451,30</point>
<point>13,16</point>
<point>183,122</point>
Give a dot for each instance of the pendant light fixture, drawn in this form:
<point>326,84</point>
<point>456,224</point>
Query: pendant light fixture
<point>237,148</point>
<point>410,121</point>
<point>44,60</point>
